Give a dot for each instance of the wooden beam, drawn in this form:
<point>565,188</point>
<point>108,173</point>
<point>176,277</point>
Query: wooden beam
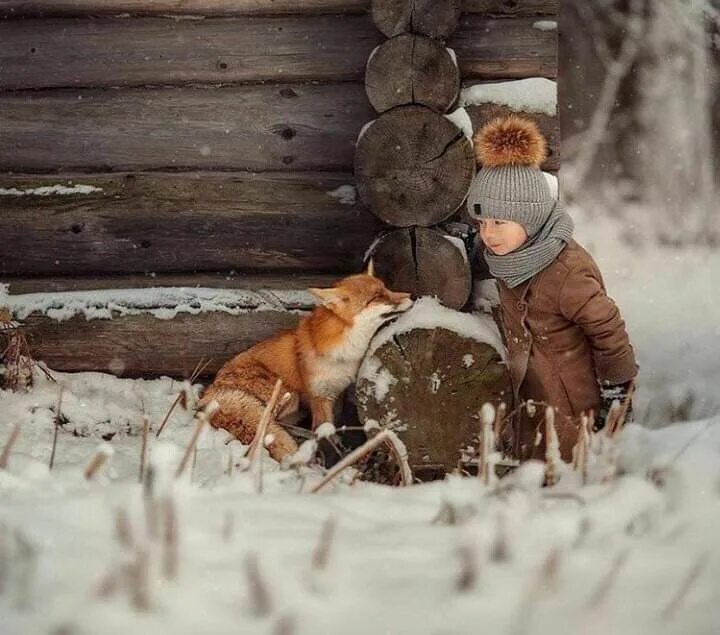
<point>142,345</point>
<point>58,52</point>
<point>24,8</point>
<point>217,279</point>
<point>252,127</point>
<point>180,222</point>
<point>489,48</point>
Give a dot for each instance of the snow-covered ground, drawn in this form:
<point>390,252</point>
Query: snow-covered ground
<point>634,551</point>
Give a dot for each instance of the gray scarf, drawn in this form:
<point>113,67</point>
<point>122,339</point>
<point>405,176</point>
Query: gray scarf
<point>536,253</point>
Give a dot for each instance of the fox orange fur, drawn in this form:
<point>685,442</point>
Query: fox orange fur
<point>316,361</point>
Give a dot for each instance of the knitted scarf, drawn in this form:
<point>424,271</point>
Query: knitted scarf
<point>536,253</point>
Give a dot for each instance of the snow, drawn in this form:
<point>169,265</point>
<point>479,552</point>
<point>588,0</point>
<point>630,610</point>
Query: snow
<point>459,244</point>
<point>635,554</point>
<point>49,190</point>
<point>428,313</point>
<point>162,302</point>
<point>380,378</point>
<point>363,130</point>
<point>462,120</point>
<point>535,94</point>
<point>452,54</point>
<point>468,360</point>
<point>545,25</point>
<point>346,194</point>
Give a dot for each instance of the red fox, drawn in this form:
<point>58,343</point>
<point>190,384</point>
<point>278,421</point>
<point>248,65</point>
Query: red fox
<point>316,361</point>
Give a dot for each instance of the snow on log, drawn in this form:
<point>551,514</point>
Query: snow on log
<point>413,166</point>
<point>427,375</point>
<point>422,261</point>
<point>412,69</point>
<point>433,18</point>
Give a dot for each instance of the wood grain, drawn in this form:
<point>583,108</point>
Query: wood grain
<point>21,8</point>
<point>252,127</point>
<point>160,222</point>
<point>52,52</point>
<point>143,345</point>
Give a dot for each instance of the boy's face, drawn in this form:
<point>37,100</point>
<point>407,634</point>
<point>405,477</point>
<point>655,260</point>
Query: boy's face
<point>501,236</point>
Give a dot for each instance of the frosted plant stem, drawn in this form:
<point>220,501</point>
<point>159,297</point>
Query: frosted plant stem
<point>56,427</point>
<point>5,456</point>
<point>353,457</point>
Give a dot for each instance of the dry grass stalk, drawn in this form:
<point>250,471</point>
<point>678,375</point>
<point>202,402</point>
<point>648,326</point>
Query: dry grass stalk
<point>487,443</point>
<point>260,603</point>
<point>580,451</point>
<point>123,529</point>
<point>171,552</point>
<point>138,580</point>
<point>552,447</point>
<point>468,577</point>
<point>267,415</point>
<point>56,428</point>
<point>618,421</point>
<point>678,599</point>
<point>182,397</point>
<point>606,584</point>
<point>202,420</point>
<point>321,553</point>
<point>150,502</point>
<point>284,626</point>
<point>143,448</point>
<point>5,456</point>
<point>103,453</point>
<point>350,459</point>
<point>399,451</point>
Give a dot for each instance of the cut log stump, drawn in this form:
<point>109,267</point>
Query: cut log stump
<point>429,384</point>
<point>422,262</point>
<point>412,69</point>
<point>434,18</point>
<point>413,166</point>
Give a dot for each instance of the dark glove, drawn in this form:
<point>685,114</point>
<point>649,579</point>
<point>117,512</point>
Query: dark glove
<point>608,394</point>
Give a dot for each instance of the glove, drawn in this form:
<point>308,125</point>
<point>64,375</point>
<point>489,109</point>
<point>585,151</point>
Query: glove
<point>608,394</point>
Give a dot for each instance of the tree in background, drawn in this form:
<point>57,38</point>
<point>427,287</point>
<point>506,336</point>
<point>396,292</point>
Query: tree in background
<point>638,93</point>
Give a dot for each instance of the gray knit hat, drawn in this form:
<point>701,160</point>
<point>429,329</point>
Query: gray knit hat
<point>510,184</point>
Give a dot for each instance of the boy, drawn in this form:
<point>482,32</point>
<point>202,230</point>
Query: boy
<point>567,343</point>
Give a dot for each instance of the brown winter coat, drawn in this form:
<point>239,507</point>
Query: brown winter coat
<point>564,335</point>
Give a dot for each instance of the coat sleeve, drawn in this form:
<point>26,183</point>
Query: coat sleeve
<point>583,301</point>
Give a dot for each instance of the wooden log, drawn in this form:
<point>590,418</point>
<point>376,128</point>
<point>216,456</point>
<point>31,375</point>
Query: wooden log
<point>68,8</point>
<point>429,385</point>
<point>487,48</point>
<point>423,262</point>
<point>253,127</point>
<point>26,8</point>
<point>413,167</point>
<point>155,222</point>
<point>433,18</point>
<point>219,279</point>
<point>143,345</point>
<point>512,8</point>
<point>480,114</point>
<point>412,69</point>
<point>49,53</point>
<point>57,52</point>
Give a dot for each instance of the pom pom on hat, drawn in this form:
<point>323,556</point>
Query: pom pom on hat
<point>509,140</point>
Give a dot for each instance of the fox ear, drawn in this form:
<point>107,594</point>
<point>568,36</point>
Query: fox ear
<point>328,297</point>
<point>370,271</point>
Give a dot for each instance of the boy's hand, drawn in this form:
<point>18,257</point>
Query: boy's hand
<point>608,394</point>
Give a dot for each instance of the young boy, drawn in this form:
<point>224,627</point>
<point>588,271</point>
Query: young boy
<point>567,343</point>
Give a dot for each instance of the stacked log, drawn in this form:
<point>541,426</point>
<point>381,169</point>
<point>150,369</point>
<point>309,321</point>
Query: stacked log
<point>413,166</point>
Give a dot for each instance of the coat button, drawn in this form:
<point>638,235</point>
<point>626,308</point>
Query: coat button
<point>520,306</point>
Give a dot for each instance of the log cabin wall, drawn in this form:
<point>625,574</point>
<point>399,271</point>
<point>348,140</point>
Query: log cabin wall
<point>210,143</point>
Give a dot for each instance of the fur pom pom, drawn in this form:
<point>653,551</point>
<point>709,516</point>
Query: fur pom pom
<point>509,141</point>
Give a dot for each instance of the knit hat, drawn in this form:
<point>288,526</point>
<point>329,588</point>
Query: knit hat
<point>510,184</point>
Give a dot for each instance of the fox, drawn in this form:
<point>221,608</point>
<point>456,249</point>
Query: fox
<point>316,362</point>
